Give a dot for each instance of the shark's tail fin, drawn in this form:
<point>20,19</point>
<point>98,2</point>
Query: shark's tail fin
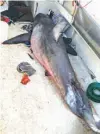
<point>18,39</point>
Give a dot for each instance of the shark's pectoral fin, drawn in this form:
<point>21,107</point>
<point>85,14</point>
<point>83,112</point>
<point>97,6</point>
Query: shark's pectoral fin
<point>71,50</point>
<point>67,40</point>
<point>19,39</point>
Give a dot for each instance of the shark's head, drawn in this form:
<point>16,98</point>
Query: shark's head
<point>93,121</point>
<point>80,106</point>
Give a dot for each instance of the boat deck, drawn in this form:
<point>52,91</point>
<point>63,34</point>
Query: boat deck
<point>35,108</point>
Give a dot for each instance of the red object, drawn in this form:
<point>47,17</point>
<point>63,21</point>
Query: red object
<point>25,79</point>
<point>6,19</point>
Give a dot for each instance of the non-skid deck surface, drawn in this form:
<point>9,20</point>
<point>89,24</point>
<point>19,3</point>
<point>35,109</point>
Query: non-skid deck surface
<point>35,108</point>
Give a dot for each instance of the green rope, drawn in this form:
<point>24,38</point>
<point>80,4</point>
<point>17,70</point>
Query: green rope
<point>91,92</point>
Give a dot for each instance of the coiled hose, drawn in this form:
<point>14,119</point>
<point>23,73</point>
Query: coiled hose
<point>93,92</point>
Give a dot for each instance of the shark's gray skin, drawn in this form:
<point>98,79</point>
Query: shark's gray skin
<point>51,54</point>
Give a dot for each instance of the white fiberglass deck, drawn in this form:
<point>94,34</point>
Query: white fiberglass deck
<point>35,108</point>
